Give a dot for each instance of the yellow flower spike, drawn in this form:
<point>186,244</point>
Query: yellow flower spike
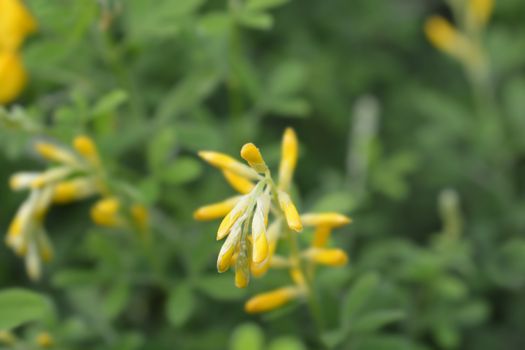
<point>480,11</point>
<point>290,212</point>
<point>329,257</point>
<point>86,147</point>
<point>271,300</point>
<point>251,154</point>
<point>289,155</point>
<point>321,236</point>
<point>239,183</point>
<point>15,24</point>
<point>325,219</point>
<point>22,180</point>
<point>13,76</point>
<point>225,162</point>
<point>216,210</point>
<point>45,340</point>
<point>54,153</point>
<point>73,190</point>
<point>105,212</point>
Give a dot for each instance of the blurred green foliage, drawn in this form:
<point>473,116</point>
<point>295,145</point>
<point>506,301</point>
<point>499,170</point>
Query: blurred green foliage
<point>392,132</point>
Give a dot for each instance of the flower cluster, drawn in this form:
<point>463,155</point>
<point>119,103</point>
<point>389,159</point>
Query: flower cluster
<point>256,220</point>
<point>76,174</point>
<point>462,44</point>
<point>16,23</point>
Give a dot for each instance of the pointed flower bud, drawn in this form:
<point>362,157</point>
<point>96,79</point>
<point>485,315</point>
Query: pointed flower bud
<point>480,11</point>
<point>54,153</point>
<point>290,212</point>
<point>329,257</point>
<point>86,147</point>
<point>325,219</point>
<point>289,155</point>
<point>105,212</point>
<point>271,300</point>
<point>239,183</point>
<point>13,76</point>
<point>225,162</point>
<point>216,210</point>
<point>22,180</point>
<point>74,190</point>
<point>260,242</point>
<point>252,155</point>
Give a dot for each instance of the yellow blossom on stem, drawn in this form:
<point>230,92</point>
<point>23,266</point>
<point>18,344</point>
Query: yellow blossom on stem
<point>321,236</point>
<point>289,155</point>
<point>271,300</point>
<point>251,154</point>
<point>105,212</point>
<point>15,24</point>
<point>215,210</point>
<point>325,219</point>
<point>54,153</point>
<point>290,212</point>
<point>86,147</point>
<point>73,190</point>
<point>329,257</point>
<point>239,183</point>
<point>13,76</point>
<point>225,162</point>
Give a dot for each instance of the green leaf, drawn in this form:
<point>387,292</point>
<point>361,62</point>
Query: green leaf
<point>160,148</point>
<point>110,102</point>
<point>181,304</point>
<point>357,296</point>
<point>247,336</point>
<point>374,320</point>
<point>220,287</point>
<point>265,4</point>
<point>256,20</point>
<point>286,343</point>
<point>19,306</point>
<point>183,170</point>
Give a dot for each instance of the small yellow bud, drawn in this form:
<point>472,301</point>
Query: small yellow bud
<point>140,215</point>
<point>15,24</point>
<point>239,183</point>
<point>329,257</point>
<point>251,154</point>
<point>480,11</point>
<point>22,180</point>
<point>321,236</point>
<point>289,155</point>
<point>260,248</point>
<point>271,300</point>
<point>290,212</point>
<point>242,274</point>
<point>51,176</point>
<point>45,340</point>
<point>86,147</point>
<point>105,212</point>
<point>54,153</point>
<point>298,276</point>
<point>72,190</point>
<point>231,218</point>
<point>215,210</point>
<point>325,219</point>
<point>225,162</point>
<point>13,76</point>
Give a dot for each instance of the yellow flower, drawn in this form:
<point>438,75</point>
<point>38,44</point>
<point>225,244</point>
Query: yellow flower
<point>289,155</point>
<point>253,156</point>
<point>140,215</point>
<point>260,218</point>
<point>480,11</point>
<point>225,162</point>
<point>325,219</point>
<point>215,210</point>
<point>329,257</point>
<point>55,153</point>
<point>45,340</point>
<point>105,212</point>
<point>15,24</point>
<point>239,183</point>
<point>13,77</point>
<point>22,180</point>
<point>86,147</point>
<point>290,212</point>
<point>272,300</point>
<point>73,190</point>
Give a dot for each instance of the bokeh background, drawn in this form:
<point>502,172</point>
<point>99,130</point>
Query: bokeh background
<point>428,161</point>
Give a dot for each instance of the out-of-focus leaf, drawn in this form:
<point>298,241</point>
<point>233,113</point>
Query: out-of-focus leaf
<point>374,320</point>
<point>19,306</point>
<point>247,336</point>
<point>286,343</point>
<point>181,304</point>
<point>255,20</point>
<point>220,288</point>
<point>264,4</point>
<point>360,292</point>
<point>182,170</point>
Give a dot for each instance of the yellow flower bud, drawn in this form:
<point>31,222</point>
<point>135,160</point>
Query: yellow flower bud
<point>105,212</point>
<point>140,215</point>
<point>251,154</point>
<point>239,183</point>
<point>242,272</point>
<point>22,180</point>
<point>329,257</point>
<point>13,77</point>
<point>325,219</point>
<point>45,340</point>
<point>225,162</point>
<point>7,338</point>
<point>15,24</point>
<point>480,11</point>
<point>290,212</point>
<point>51,176</point>
<point>271,300</point>
<point>73,190</point>
<point>54,153</point>
<point>321,236</point>
<point>86,147</point>
<point>215,210</point>
<point>231,218</point>
<point>298,276</point>
<point>289,155</point>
